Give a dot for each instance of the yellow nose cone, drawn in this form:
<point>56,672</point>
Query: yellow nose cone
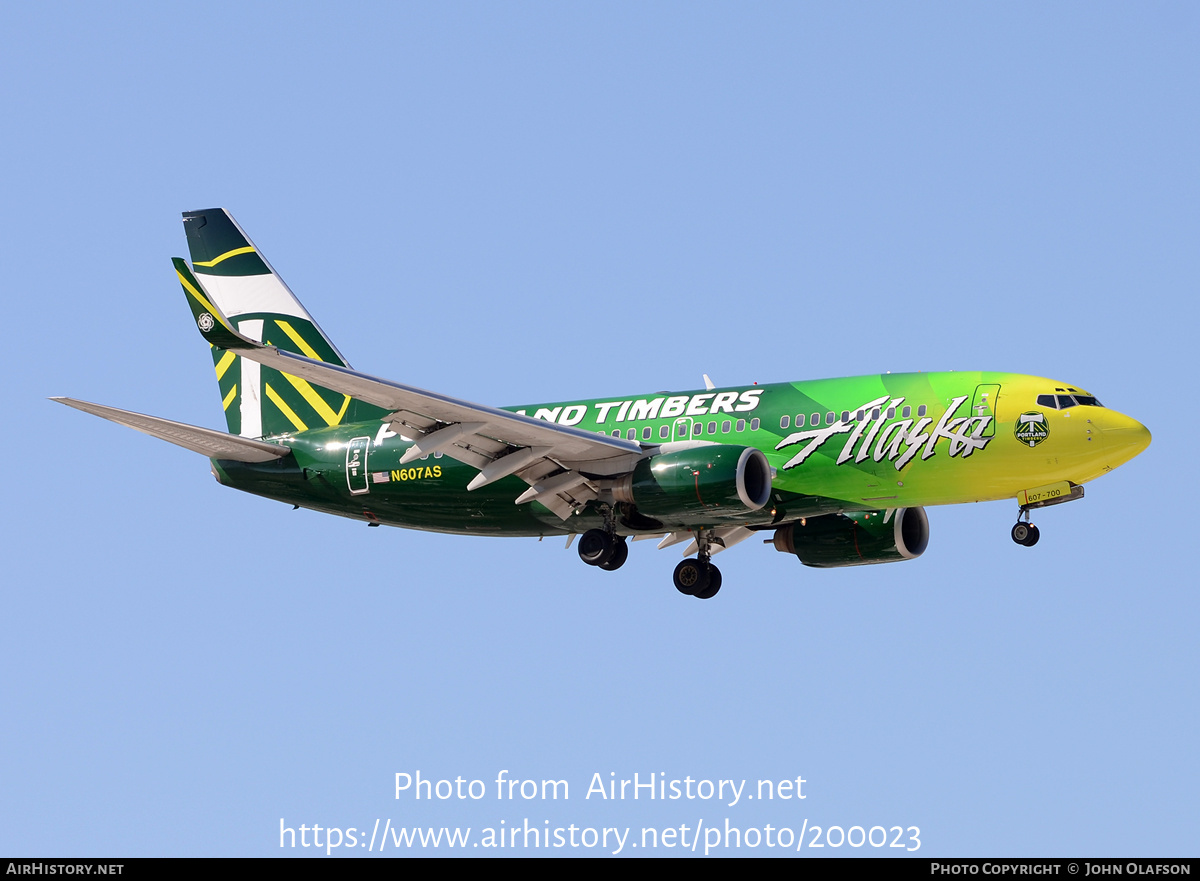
<point>1124,437</point>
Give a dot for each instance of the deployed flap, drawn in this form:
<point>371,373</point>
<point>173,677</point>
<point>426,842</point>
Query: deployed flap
<point>721,539</point>
<point>206,441</point>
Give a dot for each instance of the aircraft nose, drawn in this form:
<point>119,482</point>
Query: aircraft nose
<point>1124,437</point>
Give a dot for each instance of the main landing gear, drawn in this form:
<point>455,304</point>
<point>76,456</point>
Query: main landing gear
<point>698,578</point>
<point>1025,533</point>
<point>599,547</point>
<point>693,577</point>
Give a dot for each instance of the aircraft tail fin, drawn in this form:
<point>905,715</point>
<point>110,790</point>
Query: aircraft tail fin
<point>232,283</point>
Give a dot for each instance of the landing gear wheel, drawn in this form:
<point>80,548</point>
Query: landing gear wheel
<point>620,553</point>
<point>1026,534</point>
<point>691,577</point>
<point>714,584</point>
<point>596,547</point>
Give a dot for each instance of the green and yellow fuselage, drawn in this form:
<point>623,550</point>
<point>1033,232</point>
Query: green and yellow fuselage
<point>836,445</point>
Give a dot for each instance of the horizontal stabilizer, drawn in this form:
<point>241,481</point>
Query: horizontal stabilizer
<point>206,441</point>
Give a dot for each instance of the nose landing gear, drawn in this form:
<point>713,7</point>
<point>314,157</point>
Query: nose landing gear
<point>1025,533</point>
<point>1041,497</point>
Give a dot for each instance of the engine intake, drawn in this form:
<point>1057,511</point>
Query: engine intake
<point>856,539</point>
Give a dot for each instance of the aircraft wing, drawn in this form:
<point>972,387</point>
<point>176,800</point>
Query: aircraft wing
<point>558,462</point>
<point>206,441</point>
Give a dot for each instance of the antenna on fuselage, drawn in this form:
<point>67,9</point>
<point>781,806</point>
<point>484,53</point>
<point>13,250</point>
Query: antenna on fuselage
<point>708,383</point>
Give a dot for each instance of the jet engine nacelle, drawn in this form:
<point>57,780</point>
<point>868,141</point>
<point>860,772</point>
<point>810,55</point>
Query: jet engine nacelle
<point>856,539</point>
<point>713,477</point>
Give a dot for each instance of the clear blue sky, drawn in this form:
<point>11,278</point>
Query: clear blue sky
<point>514,203</point>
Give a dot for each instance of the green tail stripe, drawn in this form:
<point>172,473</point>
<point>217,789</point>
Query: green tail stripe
<point>286,404</point>
<point>218,247</point>
<point>213,326</point>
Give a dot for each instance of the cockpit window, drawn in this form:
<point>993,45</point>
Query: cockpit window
<point>1062,402</point>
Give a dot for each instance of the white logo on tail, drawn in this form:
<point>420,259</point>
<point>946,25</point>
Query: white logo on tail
<point>205,322</point>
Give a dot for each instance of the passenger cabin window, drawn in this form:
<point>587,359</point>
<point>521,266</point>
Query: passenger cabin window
<point>646,432</point>
<point>712,428</point>
<point>829,418</point>
<point>725,426</point>
<point>697,429</point>
<point>664,432</point>
<point>906,412</point>
<point>754,425</point>
<point>741,425</point>
<point>799,420</point>
<point>921,410</point>
<point>785,421</point>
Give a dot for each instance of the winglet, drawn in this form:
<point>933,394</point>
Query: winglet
<point>213,325</point>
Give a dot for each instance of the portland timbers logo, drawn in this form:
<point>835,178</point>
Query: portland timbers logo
<point>205,322</point>
<point>1032,428</point>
